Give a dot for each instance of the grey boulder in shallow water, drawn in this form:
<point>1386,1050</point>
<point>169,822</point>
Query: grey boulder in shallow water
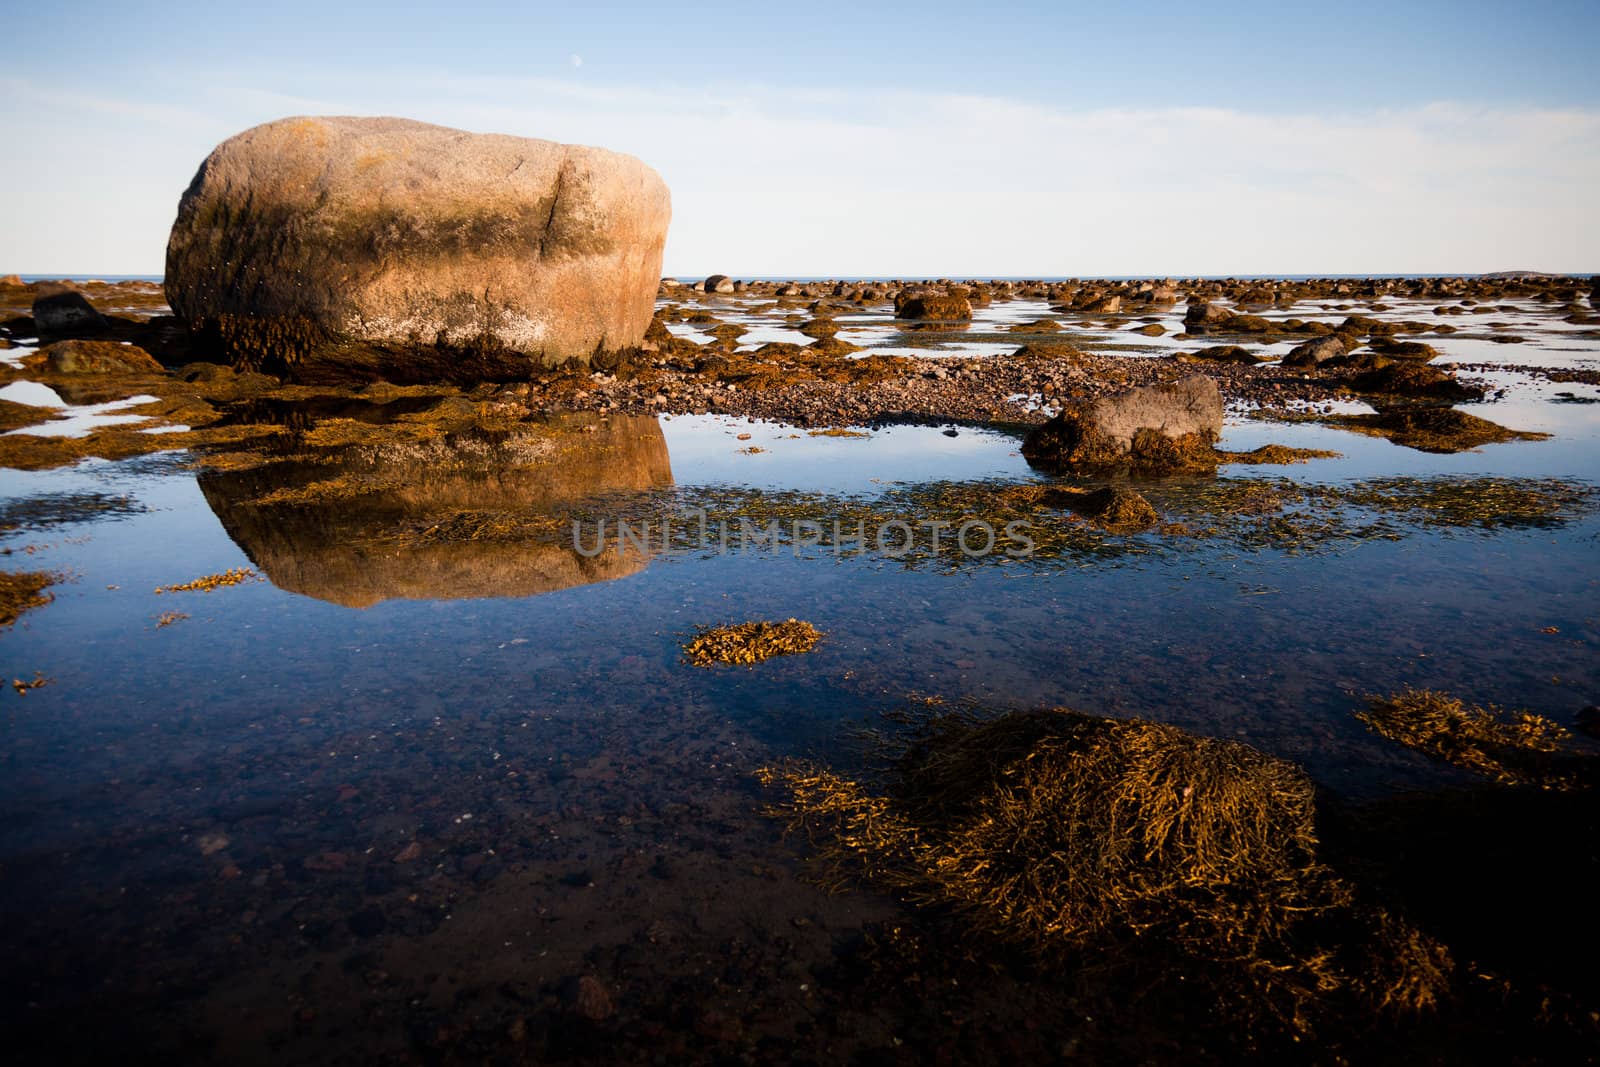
<point>1112,430</point>
<point>382,247</point>
<point>1316,351</point>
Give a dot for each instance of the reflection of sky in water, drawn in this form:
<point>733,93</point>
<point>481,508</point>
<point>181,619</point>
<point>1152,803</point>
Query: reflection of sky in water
<point>756,336</point>
<point>1547,340</point>
<point>705,451</point>
<point>71,421</point>
<point>33,394</point>
<point>683,329</point>
<point>13,357</point>
<point>1256,645</point>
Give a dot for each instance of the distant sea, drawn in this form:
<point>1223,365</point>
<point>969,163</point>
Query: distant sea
<point>91,277</point>
<point>812,278</point>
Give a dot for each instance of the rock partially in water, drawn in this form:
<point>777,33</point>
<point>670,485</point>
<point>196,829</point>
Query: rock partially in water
<point>366,247</point>
<point>717,283</point>
<point>1431,429</point>
<point>98,357</point>
<point>62,312</point>
<point>1403,349</point>
<point>1204,313</point>
<point>1155,427</point>
<point>938,307</point>
<point>1229,354</point>
<point>1413,379</point>
<point>1316,351</point>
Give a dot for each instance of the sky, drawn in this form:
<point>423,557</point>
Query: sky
<point>882,139</point>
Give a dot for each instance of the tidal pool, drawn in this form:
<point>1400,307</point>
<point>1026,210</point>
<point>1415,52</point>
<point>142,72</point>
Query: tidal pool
<point>434,767</point>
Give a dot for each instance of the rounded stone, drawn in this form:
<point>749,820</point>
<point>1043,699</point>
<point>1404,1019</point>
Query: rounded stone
<point>383,247</point>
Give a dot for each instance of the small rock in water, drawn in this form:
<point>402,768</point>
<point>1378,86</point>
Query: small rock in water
<point>589,998</point>
<point>1589,720</point>
<point>212,843</point>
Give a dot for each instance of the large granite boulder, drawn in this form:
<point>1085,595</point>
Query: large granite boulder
<point>1155,429</point>
<point>382,247</point>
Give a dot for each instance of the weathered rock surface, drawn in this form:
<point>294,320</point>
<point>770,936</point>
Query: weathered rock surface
<point>942,307</point>
<point>365,247</point>
<point>1205,314</point>
<point>1316,351</point>
<point>1409,378</point>
<point>1111,430</point>
<point>717,283</point>
<point>60,311</point>
<point>1403,349</point>
<point>98,357</point>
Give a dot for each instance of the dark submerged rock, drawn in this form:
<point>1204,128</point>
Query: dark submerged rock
<point>65,312</point>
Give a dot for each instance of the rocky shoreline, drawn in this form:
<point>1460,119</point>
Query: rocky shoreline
<point>1089,340</point>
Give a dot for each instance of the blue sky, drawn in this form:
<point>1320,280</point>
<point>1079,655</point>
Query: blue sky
<point>834,139</point>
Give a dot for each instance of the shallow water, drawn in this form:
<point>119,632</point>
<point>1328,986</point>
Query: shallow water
<point>71,420</point>
<point>247,775</point>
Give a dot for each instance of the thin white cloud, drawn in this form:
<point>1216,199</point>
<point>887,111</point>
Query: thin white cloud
<point>823,182</point>
<point>27,98</point>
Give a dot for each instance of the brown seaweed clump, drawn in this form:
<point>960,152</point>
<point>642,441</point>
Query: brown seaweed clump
<point>1513,748</point>
<point>16,416</point>
<point>1275,455</point>
<point>1118,509</point>
<point>1113,508</point>
<point>1154,454</point>
<point>22,591</point>
<point>1429,429</point>
<point>934,306</point>
<point>751,642</point>
<point>1411,379</point>
<point>206,583</point>
<point>1080,838</point>
<point>1071,442</point>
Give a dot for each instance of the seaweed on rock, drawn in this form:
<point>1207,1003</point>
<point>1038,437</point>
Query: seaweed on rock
<point>1068,834</point>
